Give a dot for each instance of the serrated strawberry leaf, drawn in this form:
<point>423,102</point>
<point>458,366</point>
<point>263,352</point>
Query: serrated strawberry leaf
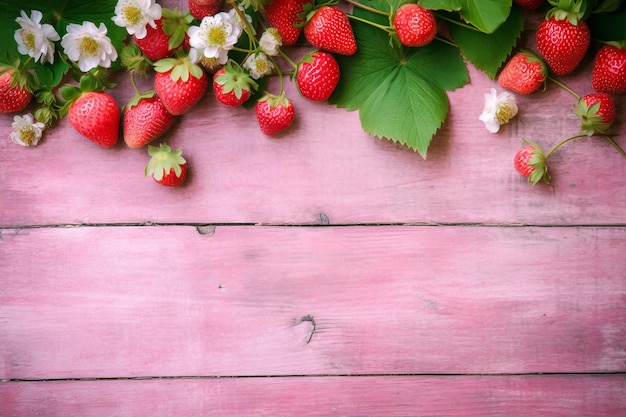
<point>400,92</point>
<point>485,15</point>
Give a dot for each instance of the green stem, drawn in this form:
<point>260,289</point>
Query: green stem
<point>387,29</point>
<point>564,141</point>
<point>134,83</point>
<point>615,145</point>
<point>456,22</point>
<point>564,87</point>
<point>289,60</point>
<point>440,39</point>
<point>248,27</point>
<point>364,7</point>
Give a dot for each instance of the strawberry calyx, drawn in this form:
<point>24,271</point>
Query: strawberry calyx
<point>163,160</point>
<point>538,162</point>
<point>309,9</point>
<point>275,100</point>
<point>591,117</point>
<point>179,67</point>
<point>94,80</point>
<point>571,10</point>
<point>235,79</point>
<point>175,25</point>
<point>134,60</point>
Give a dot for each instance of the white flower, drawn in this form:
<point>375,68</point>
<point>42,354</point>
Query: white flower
<point>26,132</point>
<point>134,15</point>
<point>88,45</point>
<point>34,39</point>
<point>237,19</point>
<point>215,36</point>
<point>499,109</point>
<point>271,41</point>
<point>258,64</point>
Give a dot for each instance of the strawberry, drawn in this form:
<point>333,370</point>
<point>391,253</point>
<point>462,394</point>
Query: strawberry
<point>329,29</point>
<point>524,73</point>
<point>608,74</point>
<point>179,83</point>
<point>286,16</point>
<point>415,26</point>
<point>563,38</point>
<point>166,167</point>
<point>13,96</point>
<point>274,113</point>
<point>530,161</point>
<point>596,112</point>
<point>318,75</point>
<point>96,116</point>
<point>203,8</point>
<point>232,86</point>
<point>155,45</point>
<point>530,4</point>
<point>145,119</point>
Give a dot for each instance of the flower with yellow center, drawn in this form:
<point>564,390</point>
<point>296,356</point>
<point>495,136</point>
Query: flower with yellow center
<point>88,45</point>
<point>271,41</point>
<point>34,39</point>
<point>134,15</point>
<point>26,132</point>
<point>215,36</point>
<point>258,64</point>
<point>499,109</point>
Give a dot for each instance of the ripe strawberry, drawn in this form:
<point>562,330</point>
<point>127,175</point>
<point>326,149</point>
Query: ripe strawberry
<point>415,26</point>
<point>530,4</point>
<point>96,116</point>
<point>232,86</point>
<point>13,97</point>
<point>317,76</point>
<point>329,29</point>
<point>524,73</point>
<point>530,161</point>
<point>286,16</point>
<point>155,45</point>
<point>608,74</point>
<point>166,167</point>
<point>274,113</point>
<point>596,112</point>
<point>202,8</point>
<point>179,83</point>
<point>145,119</point>
<point>563,38</point>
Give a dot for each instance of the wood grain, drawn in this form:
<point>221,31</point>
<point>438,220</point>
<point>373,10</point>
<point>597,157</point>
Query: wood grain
<point>253,301</point>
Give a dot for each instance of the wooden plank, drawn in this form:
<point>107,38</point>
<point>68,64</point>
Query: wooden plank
<point>169,301</point>
<point>453,396</point>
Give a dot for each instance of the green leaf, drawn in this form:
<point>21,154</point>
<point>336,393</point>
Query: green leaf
<point>486,15</point>
<point>609,26</point>
<point>400,92</point>
<point>485,51</point>
<point>447,5</point>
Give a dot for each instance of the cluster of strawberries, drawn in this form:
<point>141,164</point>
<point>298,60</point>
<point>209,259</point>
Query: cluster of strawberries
<point>563,39</point>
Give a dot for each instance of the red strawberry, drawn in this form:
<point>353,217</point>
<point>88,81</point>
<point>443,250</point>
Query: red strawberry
<point>329,29</point>
<point>318,75</point>
<point>202,8</point>
<point>232,86</point>
<point>284,16</point>
<point>96,116</point>
<point>524,73</point>
<point>13,97</point>
<point>530,162</point>
<point>596,111</point>
<point>530,4</point>
<point>155,45</point>
<point>145,119</point>
<point>563,39</point>
<point>608,74</point>
<point>415,26</point>
<point>166,167</point>
<point>274,113</point>
<point>179,83</point>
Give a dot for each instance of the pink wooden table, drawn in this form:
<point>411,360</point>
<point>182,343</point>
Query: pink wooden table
<point>322,272</point>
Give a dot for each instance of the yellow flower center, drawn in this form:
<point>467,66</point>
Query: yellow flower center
<point>262,66</point>
<point>216,36</point>
<point>504,114</point>
<point>27,135</point>
<point>132,15</point>
<point>28,38</point>
<point>89,47</point>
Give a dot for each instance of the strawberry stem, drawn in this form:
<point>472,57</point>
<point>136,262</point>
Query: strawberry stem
<point>456,22</point>
<point>564,87</point>
<point>387,29</point>
<point>564,141</point>
<point>364,7</point>
<point>615,145</point>
<point>289,60</point>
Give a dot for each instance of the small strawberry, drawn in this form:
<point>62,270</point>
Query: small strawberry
<point>530,161</point>
<point>274,113</point>
<point>563,38</point>
<point>415,26</point>
<point>530,4</point>
<point>286,16</point>
<point>166,167</point>
<point>524,73</point>
<point>95,115</point>
<point>145,119</point>
<point>608,74</point>
<point>318,75</point>
<point>232,86</point>
<point>179,83</point>
<point>14,96</point>
<point>596,112</point>
<point>329,28</point>
<point>203,8</point>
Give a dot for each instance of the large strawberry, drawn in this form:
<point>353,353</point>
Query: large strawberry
<point>287,17</point>
<point>232,86</point>
<point>203,8</point>
<point>608,74</point>
<point>274,113</point>
<point>179,83</point>
<point>168,35</point>
<point>145,119</point>
<point>415,25</point>
<point>530,161</point>
<point>96,116</point>
<point>524,73</point>
<point>563,37</point>
<point>14,95</point>
<point>318,75</point>
<point>596,112</point>
<point>329,28</point>
<point>166,167</point>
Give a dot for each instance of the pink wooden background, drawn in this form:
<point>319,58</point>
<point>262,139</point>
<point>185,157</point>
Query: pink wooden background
<point>322,272</point>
